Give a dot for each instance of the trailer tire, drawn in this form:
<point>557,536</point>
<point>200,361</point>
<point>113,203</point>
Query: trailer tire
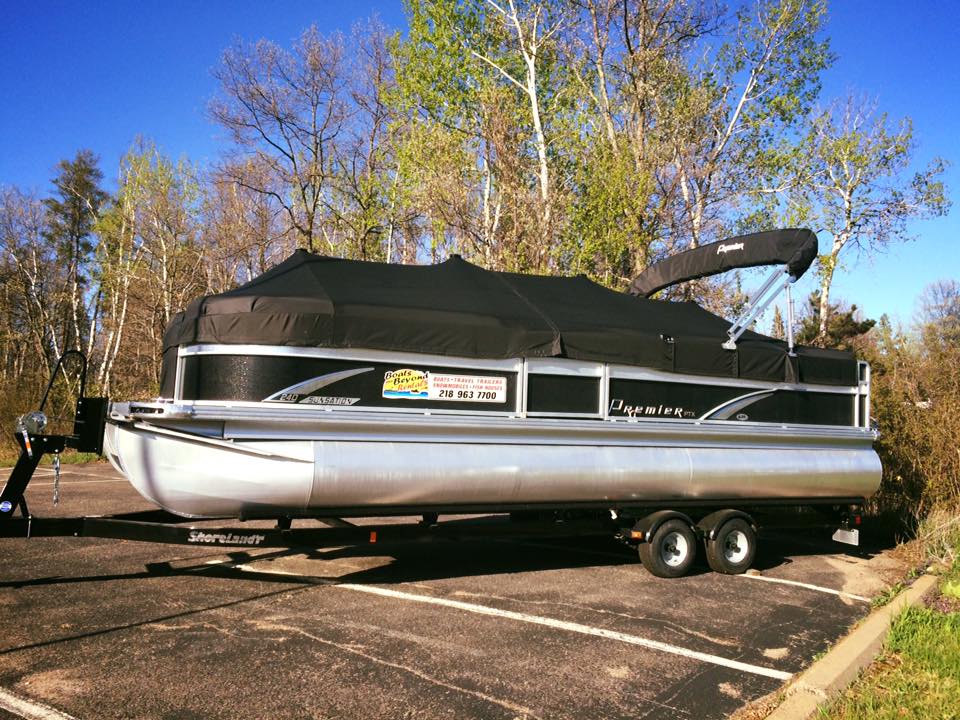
<point>670,551</point>
<point>732,548</point>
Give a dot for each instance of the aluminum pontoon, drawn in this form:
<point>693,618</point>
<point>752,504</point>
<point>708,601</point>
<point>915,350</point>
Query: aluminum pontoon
<point>334,387</point>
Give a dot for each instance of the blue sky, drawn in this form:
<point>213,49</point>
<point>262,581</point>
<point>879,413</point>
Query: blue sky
<point>97,74</point>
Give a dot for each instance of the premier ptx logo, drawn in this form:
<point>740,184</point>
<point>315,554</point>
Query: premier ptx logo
<point>669,411</point>
<point>198,536</point>
<point>723,248</point>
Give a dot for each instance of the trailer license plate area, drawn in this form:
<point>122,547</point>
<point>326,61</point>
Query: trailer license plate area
<point>848,537</point>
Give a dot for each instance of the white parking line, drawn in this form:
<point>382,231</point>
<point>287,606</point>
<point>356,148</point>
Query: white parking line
<point>67,472</point>
<point>808,586</point>
<point>535,620</point>
<point>21,707</point>
<point>71,483</point>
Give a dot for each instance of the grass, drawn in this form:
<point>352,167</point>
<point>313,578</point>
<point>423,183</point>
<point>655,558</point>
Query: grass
<point>887,595</point>
<point>918,674</point>
<point>68,457</point>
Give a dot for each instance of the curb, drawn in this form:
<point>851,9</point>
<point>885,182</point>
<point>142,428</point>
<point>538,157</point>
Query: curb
<point>830,675</point>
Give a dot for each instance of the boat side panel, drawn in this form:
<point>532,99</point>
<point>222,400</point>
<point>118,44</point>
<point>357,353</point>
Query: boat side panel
<point>209,477</point>
<point>362,473</point>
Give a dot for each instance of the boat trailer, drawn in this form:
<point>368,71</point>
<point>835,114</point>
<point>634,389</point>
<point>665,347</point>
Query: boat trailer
<point>640,528</point>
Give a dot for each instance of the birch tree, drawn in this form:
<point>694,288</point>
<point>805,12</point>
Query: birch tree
<point>530,34</point>
<point>449,99</point>
<point>862,190</point>
<point>628,58</point>
<point>37,287</point>
<point>153,261</point>
<point>120,257</point>
<point>742,105</point>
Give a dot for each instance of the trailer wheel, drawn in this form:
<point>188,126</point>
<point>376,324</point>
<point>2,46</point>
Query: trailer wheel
<point>671,550</point>
<point>733,547</point>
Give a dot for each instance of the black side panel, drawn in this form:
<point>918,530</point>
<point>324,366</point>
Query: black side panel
<point>642,398</point>
<point>255,378</point>
<point>563,394</point>
<point>803,407</point>
<point>648,399</point>
<point>168,372</point>
<point>826,367</point>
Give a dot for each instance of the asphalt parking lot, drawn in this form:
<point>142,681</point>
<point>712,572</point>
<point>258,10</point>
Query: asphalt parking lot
<point>551,628</point>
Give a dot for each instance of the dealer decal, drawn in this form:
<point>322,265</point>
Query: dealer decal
<point>409,384</point>
<point>406,384</point>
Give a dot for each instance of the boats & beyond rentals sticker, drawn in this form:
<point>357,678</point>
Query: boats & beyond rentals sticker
<point>409,384</point>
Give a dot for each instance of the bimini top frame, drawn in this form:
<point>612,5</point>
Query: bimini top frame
<point>760,301</point>
<point>794,250</point>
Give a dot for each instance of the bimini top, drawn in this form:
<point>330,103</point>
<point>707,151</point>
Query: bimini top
<point>455,308</point>
<point>795,247</point>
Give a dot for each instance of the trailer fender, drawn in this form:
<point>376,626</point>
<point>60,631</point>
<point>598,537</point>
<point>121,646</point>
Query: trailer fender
<point>646,526</point>
<point>708,526</point>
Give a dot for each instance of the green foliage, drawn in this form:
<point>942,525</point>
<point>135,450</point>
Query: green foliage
<point>916,401</point>
<point>844,329</point>
<point>435,74</point>
<point>607,238</point>
<point>887,595</point>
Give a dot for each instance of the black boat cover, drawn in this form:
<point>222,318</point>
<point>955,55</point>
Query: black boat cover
<point>455,308</point>
<point>796,248</point>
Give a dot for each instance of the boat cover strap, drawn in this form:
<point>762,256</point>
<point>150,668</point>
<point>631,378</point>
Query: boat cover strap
<point>795,247</point>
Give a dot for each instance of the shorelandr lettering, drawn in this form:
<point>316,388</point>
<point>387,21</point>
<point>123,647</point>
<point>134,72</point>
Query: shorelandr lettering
<point>198,536</point>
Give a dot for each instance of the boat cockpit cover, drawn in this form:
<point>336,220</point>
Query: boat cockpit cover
<point>796,248</point>
<point>455,308</point>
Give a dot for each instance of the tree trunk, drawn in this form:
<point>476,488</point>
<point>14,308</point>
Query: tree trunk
<point>826,279</point>
<point>540,138</point>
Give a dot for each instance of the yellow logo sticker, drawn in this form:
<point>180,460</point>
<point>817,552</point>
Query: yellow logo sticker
<point>405,383</point>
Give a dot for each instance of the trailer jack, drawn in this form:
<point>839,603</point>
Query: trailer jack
<point>87,436</point>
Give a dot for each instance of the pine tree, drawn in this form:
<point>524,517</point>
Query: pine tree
<point>843,325</point>
<point>777,329</point>
<point>71,214</point>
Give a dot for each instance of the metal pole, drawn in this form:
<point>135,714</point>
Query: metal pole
<point>756,306</point>
<point>790,317</point>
